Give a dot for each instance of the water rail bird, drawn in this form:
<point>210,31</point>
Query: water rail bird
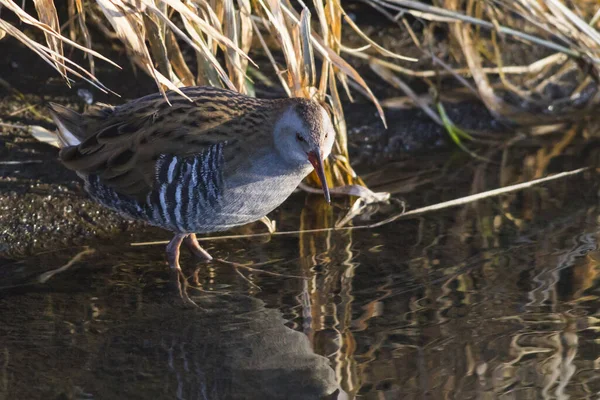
<point>221,160</point>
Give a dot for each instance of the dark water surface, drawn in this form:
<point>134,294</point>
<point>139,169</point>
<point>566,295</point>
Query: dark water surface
<point>497,299</point>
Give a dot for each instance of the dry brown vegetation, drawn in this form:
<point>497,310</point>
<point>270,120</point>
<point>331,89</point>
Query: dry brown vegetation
<point>532,62</point>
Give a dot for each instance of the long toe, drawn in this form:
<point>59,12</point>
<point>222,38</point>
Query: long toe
<point>192,243</point>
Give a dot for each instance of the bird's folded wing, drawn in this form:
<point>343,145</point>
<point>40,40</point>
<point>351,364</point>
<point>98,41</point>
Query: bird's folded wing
<point>122,145</point>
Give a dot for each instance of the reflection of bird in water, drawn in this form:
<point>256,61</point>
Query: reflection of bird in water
<point>206,165</point>
<point>233,349</point>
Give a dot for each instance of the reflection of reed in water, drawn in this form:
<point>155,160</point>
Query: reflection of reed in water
<point>475,309</point>
<point>542,359</point>
<point>326,260</point>
<point>483,308</point>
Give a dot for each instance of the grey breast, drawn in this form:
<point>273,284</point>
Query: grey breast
<point>256,188</point>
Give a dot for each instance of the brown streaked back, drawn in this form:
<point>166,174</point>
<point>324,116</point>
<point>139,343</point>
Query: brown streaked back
<point>121,144</point>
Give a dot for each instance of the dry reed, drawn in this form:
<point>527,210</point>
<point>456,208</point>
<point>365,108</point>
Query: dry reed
<point>553,49</point>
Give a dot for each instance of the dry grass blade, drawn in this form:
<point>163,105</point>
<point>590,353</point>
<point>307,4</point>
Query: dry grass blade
<point>275,17</point>
<point>265,47</point>
<point>560,10</point>
<point>366,37</point>
<point>328,54</point>
<point>129,27</point>
<point>86,33</point>
<point>410,5</point>
<point>532,68</point>
<point>210,71</point>
<point>209,30</point>
<point>393,80</point>
<point>245,33</point>
<point>494,103</point>
<point>28,19</point>
<point>307,50</point>
<point>39,49</point>
<point>326,67</point>
<point>520,24</point>
<point>177,61</point>
<point>155,35</point>
<point>47,14</point>
<point>191,21</point>
<point>43,278</point>
<point>341,143</point>
<point>48,55</point>
<point>232,58</point>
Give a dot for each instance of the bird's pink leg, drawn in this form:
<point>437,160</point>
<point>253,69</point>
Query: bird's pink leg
<point>177,274</point>
<point>173,250</point>
<point>192,243</point>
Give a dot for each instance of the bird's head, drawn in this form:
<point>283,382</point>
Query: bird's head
<point>304,134</point>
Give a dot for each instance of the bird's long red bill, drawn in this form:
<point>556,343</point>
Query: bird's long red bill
<point>317,161</point>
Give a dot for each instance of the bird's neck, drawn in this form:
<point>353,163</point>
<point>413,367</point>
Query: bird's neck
<point>271,163</point>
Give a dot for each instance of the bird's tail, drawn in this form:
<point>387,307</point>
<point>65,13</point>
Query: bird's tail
<point>69,125</point>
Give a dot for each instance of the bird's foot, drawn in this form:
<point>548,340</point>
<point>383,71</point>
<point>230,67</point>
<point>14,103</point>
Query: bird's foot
<point>192,243</point>
<point>190,240</point>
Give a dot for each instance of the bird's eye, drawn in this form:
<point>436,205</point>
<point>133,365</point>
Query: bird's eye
<point>299,138</point>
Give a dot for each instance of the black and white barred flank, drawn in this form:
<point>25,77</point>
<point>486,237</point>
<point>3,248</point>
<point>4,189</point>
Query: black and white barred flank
<point>184,188</point>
